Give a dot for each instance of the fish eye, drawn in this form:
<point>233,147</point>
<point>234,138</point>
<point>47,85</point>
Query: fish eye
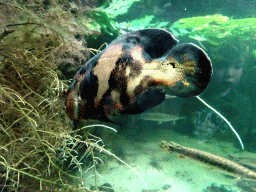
<point>171,63</point>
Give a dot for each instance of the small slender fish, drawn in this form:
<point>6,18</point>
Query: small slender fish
<point>215,161</point>
<point>160,117</point>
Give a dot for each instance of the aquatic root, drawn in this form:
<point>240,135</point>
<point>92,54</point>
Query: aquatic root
<point>229,124</point>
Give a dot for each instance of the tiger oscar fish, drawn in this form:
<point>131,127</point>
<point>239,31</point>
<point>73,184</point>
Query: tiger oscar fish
<point>134,73</point>
<point>214,161</point>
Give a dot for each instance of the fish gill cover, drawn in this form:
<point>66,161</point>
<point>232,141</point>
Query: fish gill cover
<point>39,49</point>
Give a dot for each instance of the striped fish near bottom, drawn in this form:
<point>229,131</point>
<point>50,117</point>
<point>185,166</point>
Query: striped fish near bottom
<point>215,161</point>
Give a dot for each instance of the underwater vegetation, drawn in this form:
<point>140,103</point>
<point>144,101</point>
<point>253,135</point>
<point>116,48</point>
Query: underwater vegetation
<point>113,8</point>
<point>215,29</point>
<point>39,51</point>
<point>101,23</point>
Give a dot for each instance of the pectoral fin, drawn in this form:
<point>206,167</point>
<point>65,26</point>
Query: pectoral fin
<point>150,98</point>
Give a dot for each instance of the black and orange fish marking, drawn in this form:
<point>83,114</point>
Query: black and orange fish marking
<point>133,74</point>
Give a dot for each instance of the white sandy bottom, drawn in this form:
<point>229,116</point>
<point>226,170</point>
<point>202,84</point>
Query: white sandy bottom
<point>158,168</point>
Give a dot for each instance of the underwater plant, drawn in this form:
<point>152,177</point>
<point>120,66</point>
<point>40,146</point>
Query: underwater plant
<point>37,41</point>
<point>217,30</point>
<point>101,22</point>
<point>140,23</point>
<point>211,128</point>
<point>113,9</point>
